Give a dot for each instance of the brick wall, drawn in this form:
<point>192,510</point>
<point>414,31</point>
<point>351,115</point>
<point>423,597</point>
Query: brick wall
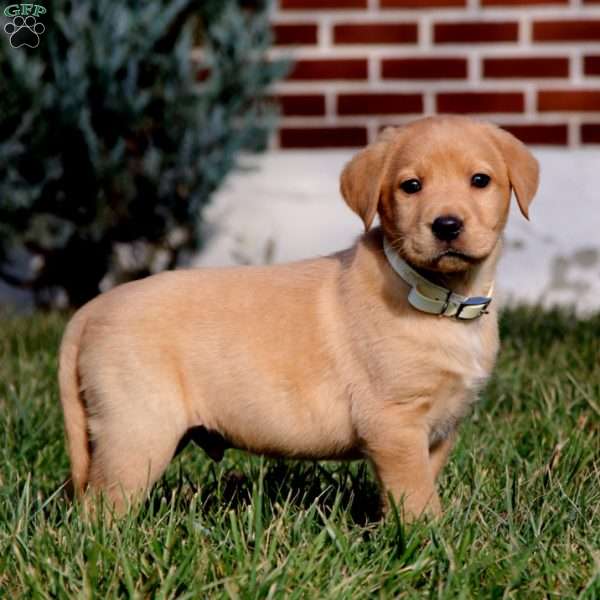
<point>532,66</point>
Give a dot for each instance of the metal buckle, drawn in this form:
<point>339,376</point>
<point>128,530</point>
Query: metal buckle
<point>475,301</point>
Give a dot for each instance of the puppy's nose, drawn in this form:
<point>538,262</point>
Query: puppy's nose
<point>447,228</point>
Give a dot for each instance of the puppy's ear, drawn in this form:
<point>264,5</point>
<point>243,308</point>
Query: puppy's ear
<point>523,168</point>
<point>362,178</point>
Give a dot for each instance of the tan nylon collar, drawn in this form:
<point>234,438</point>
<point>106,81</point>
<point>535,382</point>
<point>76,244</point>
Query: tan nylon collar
<point>435,299</point>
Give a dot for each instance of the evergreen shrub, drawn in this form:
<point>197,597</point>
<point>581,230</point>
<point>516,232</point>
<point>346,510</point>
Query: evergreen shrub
<point>115,131</point>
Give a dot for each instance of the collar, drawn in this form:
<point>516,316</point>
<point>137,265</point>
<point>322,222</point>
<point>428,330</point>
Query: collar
<point>435,299</point>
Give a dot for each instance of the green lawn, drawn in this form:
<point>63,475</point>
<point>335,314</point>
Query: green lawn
<point>521,496</point>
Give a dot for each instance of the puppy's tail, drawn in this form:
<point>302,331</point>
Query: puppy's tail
<point>72,402</point>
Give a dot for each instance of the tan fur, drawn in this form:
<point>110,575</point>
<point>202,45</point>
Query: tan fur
<point>318,359</point>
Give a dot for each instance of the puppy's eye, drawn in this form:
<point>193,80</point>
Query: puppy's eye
<point>411,186</point>
<point>480,180</point>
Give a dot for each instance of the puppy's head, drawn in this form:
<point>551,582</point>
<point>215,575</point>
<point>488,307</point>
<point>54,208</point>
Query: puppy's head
<point>441,186</point>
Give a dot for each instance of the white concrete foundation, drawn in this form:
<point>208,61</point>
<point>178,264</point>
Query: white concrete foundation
<point>286,205</point>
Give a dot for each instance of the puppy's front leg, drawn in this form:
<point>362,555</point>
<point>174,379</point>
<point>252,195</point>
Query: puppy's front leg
<point>401,459</point>
<point>439,454</point>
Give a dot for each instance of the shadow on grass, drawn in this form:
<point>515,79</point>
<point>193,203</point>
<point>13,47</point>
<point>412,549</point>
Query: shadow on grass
<point>300,484</point>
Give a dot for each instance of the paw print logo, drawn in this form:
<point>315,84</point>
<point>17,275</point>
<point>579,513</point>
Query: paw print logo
<point>24,31</point>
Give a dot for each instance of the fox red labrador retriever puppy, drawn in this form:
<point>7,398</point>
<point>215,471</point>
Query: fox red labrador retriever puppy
<point>376,351</point>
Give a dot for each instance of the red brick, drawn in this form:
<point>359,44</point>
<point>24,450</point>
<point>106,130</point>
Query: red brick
<point>479,32</point>
<point>585,100</point>
<point>421,3</point>
<point>504,67</point>
<point>302,105</point>
<point>424,68</point>
<point>524,3</point>
<point>566,31</point>
<point>591,65</point>
<point>321,4</point>
<point>590,133</point>
<point>480,102</point>
<point>322,137</point>
<point>375,33</point>
<point>552,135</point>
<point>295,33</point>
<point>379,104</point>
<point>319,69</point>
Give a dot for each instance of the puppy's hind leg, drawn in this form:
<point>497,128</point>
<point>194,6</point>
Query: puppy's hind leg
<point>130,452</point>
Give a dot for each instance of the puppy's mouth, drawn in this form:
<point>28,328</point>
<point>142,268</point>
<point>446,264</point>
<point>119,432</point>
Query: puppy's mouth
<point>450,260</point>
<point>445,258</point>
<point>450,253</point>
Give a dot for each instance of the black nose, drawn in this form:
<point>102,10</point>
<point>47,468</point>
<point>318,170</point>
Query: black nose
<point>447,227</point>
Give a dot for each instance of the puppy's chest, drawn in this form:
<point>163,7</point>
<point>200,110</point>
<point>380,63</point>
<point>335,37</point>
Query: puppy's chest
<point>470,358</point>
<point>438,374</point>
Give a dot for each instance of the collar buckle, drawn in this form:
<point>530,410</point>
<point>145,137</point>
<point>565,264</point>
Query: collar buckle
<point>476,302</point>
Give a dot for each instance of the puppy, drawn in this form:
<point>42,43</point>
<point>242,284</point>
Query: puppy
<point>376,351</point>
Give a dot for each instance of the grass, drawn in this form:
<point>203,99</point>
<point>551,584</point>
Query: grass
<point>521,496</point>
